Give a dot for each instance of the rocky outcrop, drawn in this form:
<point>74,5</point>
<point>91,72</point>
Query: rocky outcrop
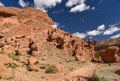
<point>110,54</point>
<point>106,43</point>
<point>109,49</point>
<point>23,31</point>
<point>79,48</point>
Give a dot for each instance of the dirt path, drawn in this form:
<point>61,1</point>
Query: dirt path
<point>108,72</point>
<point>86,71</point>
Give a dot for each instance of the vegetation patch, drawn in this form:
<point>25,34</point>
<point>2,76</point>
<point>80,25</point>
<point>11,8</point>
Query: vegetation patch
<point>50,70</point>
<point>13,56</point>
<point>12,65</point>
<point>96,78</point>
<point>97,54</point>
<point>43,67</point>
<point>36,70</point>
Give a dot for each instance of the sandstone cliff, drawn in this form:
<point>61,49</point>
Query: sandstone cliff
<point>28,29</point>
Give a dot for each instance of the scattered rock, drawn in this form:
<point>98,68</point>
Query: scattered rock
<point>32,61</point>
<point>32,68</point>
<point>58,67</point>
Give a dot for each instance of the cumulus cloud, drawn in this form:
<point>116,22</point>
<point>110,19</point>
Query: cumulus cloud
<point>80,8</point>
<point>111,30</point>
<point>93,33</point>
<point>71,3</point>
<point>77,5</point>
<point>80,35</point>
<point>22,3</point>
<point>115,36</point>
<point>44,4</point>
<point>100,31</point>
<point>101,27</point>
<point>114,25</point>
<point>96,32</point>
<point>1,4</point>
<point>55,25</point>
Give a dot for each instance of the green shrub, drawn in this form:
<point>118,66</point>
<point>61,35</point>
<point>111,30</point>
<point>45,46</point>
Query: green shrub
<point>96,78</point>
<point>97,54</point>
<point>36,70</point>
<point>42,67</point>
<point>13,56</point>
<point>12,65</point>
<point>50,70</point>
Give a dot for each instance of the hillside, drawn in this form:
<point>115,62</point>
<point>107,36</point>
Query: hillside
<point>31,50</point>
<point>29,47</point>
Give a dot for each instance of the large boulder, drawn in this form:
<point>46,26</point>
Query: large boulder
<point>110,54</point>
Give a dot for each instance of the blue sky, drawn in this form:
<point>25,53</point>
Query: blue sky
<point>99,19</point>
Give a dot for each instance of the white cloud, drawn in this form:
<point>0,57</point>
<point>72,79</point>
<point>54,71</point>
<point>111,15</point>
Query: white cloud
<point>71,3</point>
<point>80,35</point>
<point>99,31</point>
<point>44,4</point>
<point>111,30</point>
<point>55,24</point>
<point>101,27</point>
<point>77,5</point>
<point>93,33</point>
<point>80,8</point>
<point>1,4</point>
<point>22,3</point>
<point>115,36</point>
<point>114,25</point>
<point>93,8</point>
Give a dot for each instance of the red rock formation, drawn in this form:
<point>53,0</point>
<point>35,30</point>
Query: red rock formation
<point>110,54</point>
<point>113,53</point>
<point>23,31</point>
<point>106,43</point>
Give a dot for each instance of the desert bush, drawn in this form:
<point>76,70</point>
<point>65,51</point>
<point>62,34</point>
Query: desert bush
<point>13,56</point>
<point>50,70</point>
<point>12,65</point>
<point>96,78</point>
<point>43,67</point>
<point>97,54</point>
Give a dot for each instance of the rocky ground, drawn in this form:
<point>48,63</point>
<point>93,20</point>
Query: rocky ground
<point>31,50</point>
